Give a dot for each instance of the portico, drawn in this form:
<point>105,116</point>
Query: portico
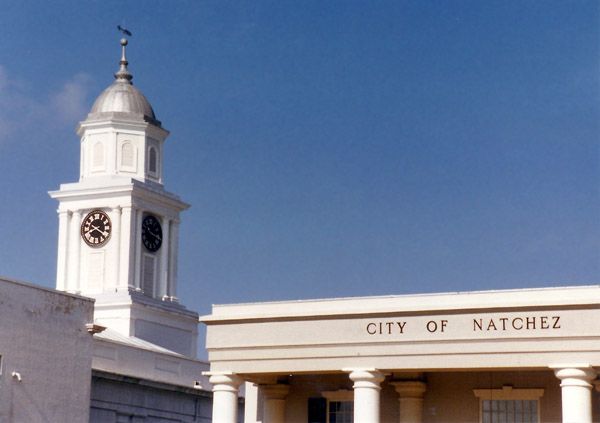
<point>529,355</point>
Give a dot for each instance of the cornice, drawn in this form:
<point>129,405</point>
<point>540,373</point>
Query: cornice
<point>585,297</point>
<point>114,122</point>
<point>137,189</point>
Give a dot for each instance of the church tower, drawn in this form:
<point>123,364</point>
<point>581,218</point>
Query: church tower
<point>118,226</point>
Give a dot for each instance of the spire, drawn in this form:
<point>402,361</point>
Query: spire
<point>123,74</point>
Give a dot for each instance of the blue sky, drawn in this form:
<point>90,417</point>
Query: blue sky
<point>328,148</point>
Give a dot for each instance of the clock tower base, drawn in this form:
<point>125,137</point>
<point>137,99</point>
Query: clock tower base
<point>135,315</point>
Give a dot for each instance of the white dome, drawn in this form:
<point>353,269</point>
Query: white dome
<point>122,97</point>
<point>122,100</point>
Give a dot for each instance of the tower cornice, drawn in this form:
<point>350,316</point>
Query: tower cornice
<point>137,190</point>
<point>113,120</point>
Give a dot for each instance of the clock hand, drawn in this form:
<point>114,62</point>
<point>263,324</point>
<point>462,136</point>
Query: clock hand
<point>153,234</point>
<point>97,228</point>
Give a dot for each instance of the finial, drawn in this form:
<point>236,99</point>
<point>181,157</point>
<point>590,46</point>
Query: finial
<point>123,74</point>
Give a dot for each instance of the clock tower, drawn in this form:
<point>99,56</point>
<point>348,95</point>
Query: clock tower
<point>118,226</point>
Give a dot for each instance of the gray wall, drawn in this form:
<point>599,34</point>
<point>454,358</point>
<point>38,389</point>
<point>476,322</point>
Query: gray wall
<point>43,337</point>
<point>117,399</point>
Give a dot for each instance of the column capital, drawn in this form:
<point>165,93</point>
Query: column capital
<point>365,377</point>
<point>576,391</point>
<point>366,393</point>
<point>276,391</point>
<point>225,396</point>
<point>224,381</point>
<point>410,388</point>
<point>410,397</point>
<point>575,374</point>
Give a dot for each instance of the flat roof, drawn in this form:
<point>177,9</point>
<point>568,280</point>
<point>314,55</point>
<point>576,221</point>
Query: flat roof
<point>410,303</point>
<point>44,288</point>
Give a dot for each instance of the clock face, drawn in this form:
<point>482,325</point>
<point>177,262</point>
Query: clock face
<point>151,233</point>
<point>95,228</point>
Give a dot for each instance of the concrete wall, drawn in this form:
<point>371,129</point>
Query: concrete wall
<point>118,398</point>
<point>449,397</point>
<point>43,337</point>
<point>111,356</point>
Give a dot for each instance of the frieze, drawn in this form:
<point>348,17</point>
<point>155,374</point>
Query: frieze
<point>408,328</point>
<point>477,324</point>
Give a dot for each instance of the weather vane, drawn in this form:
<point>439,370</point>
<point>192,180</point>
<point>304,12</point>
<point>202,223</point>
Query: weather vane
<point>124,30</point>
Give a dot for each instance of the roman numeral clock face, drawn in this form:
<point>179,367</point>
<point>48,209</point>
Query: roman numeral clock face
<point>95,228</point>
<point>151,233</point>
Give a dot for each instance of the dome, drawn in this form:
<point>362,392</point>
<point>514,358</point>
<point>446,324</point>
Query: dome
<point>122,99</point>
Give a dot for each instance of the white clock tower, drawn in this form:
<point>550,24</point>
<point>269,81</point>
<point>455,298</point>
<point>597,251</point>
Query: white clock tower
<point>118,226</point>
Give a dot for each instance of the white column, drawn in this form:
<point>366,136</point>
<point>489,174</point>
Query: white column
<point>164,260</point>
<point>576,390</point>
<point>73,284</point>
<point>251,403</point>
<point>138,249</point>
<point>366,394</point>
<point>63,240</point>
<point>116,247</point>
<point>225,397</point>
<point>274,402</point>
<point>126,275</point>
<point>410,394</point>
<point>173,241</point>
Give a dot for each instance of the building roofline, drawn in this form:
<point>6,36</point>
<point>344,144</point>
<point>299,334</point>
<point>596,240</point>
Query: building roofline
<point>45,288</point>
<point>410,303</point>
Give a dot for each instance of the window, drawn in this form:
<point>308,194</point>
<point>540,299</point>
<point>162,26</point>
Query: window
<point>152,160</point>
<point>340,412</point>
<point>509,411</point>
<point>127,155</point>
<point>340,406</point>
<point>148,278</point>
<point>508,405</point>
<point>98,160</point>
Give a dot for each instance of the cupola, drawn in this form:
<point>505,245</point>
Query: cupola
<point>122,99</point>
<point>121,135</point>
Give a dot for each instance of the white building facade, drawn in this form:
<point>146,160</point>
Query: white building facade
<point>497,356</point>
